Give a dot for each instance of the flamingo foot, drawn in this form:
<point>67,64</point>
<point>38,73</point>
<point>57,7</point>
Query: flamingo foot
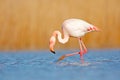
<point>61,58</point>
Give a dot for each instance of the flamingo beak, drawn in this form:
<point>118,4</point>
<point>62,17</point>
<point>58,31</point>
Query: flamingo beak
<point>51,44</point>
<point>52,50</point>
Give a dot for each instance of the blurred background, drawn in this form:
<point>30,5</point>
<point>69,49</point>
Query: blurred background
<point>28,24</point>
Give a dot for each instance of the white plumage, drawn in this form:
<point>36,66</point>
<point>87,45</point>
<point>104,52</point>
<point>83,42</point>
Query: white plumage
<point>76,27</point>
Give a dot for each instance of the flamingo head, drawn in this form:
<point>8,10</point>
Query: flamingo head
<point>93,28</point>
<point>52,43</point>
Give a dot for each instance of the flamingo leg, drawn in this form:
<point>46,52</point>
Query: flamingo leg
<point>83,45</point>
<point>67,55</point>
<point>81,49</point>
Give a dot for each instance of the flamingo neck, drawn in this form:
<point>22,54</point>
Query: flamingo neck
<point>59,36</point>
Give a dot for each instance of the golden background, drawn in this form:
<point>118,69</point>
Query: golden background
<point>28,24</point>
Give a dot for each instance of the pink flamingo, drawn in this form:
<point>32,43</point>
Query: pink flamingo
<point>72,28</point>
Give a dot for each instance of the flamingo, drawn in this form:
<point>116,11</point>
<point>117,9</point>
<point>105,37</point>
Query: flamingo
<point>72,28</point>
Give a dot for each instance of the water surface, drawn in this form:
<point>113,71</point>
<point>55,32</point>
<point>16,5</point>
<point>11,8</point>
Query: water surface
<point>42,65</point>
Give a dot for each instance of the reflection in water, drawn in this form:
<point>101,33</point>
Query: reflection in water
<point>73,64</point>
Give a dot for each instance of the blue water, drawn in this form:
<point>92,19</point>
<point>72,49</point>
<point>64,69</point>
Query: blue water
<point>42,65</point>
